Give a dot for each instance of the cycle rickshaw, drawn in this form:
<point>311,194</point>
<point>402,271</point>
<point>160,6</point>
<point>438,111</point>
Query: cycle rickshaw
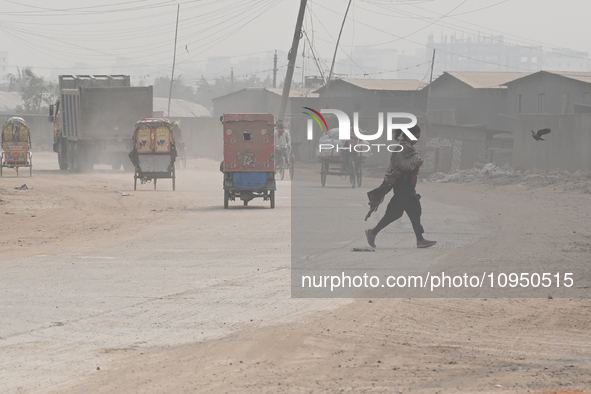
<point>342,157</point>
<point>281,165</point>
<point>16,145</point>
<point>154,152</point>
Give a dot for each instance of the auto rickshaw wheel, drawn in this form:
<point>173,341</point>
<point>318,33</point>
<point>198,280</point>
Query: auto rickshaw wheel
<point>226,198</point>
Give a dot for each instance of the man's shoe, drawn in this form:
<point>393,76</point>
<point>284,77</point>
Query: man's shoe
<point>371,238</point>
<point>425,243</point>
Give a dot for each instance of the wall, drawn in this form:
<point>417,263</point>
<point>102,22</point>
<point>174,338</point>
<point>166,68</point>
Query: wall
<point>458,147</point>
<point>251,100</point>
<point>203,137</point>
<point>567,147</point>
<point>555,89</point>
<point>472,106</point>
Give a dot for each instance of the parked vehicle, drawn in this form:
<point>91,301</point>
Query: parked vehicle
<point>154,151</point>
<point>249,158</point>
<point>16,145</point>
<point>93,117</point>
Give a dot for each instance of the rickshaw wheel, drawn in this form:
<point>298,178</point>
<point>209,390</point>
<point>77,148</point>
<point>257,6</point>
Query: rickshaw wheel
<point>282,169</point>
<point>359,174</point>
<point>352,173</point>
<point>226,198</point>
<point>272,198</point>
<point>173,178</point>
<point>323,172</point>
<point>291,165</point>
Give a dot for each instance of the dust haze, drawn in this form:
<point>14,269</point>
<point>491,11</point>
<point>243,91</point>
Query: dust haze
<point>153,242</point>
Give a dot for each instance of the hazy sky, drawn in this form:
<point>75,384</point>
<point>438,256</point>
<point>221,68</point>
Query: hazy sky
<point>95,33</point>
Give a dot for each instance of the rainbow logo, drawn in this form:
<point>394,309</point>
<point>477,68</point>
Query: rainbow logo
<point>316,118</point>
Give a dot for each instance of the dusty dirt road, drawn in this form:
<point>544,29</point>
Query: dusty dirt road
<point>106,289</point>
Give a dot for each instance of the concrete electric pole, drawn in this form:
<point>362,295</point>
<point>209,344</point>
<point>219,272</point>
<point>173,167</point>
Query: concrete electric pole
<point>293,54</point>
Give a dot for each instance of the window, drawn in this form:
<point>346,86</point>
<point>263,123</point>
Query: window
<point>541,103</point>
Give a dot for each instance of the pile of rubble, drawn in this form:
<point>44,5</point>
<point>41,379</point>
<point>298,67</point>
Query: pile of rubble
<point>579,181</point>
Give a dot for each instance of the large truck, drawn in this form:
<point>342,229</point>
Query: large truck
<point>94,119</point>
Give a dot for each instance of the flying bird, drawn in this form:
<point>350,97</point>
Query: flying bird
<point>538,136</point>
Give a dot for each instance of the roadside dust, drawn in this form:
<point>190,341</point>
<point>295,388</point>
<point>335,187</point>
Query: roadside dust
<point>154,330</point>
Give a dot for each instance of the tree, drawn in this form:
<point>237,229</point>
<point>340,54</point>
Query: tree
<point>34,91</point>
<point>179,89</point>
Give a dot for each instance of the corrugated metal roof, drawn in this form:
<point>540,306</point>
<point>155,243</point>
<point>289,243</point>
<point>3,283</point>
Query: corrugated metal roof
<point>180,108</point>
<point>583,76</point>
<point>295,92</point>
<point>9,101</point>
<point>381,84</point>
<point>486,79</point>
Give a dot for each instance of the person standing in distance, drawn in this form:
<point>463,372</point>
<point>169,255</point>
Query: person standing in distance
<point>282,142</point>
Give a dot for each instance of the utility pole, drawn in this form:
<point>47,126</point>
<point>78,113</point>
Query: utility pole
<point>275,70</point>
<point>337,46</point>
<point>173,59</point>
<point>304,65</point>
<point>293,54</point>
<point>429,91</point>
<point>232,80</point>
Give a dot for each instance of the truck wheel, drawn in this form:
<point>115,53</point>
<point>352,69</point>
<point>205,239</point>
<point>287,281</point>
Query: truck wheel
<point>70,156</point>
<point>62,155</point>
<point>81,160</point>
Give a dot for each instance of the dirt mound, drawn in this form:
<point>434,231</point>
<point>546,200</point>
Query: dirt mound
<point>578,181</point>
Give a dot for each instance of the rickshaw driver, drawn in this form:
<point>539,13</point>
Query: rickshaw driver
<point>282,142</point>
<point>176,131</point>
